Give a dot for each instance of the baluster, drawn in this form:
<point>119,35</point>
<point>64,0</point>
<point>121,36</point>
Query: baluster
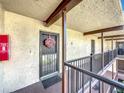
<point>76,80</point>
<point>73,81</point>
<point>79,75</point>
<point>111,89</point>
<point>99,87</point>
<point>68,81</point>
<point>82,82</point>
<point>108,57</point>
<point>83,78</point>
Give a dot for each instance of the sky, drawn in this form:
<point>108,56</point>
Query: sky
<point>122,1</point>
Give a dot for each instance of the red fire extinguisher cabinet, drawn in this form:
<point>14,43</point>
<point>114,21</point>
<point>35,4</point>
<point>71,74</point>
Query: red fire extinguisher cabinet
<point>4,47</point>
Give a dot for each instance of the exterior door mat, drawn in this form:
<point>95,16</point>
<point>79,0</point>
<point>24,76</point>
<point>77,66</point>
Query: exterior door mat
<point>51,81</point>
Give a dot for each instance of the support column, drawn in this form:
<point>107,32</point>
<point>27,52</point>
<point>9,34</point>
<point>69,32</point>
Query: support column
<point>63,48</point>
<point>102,52</point>
<point>116,60</point>
<point>102,49</point>
<point>112,58</point>
<point>112,48</point>
<point>111,88</point>
<point>116,49</point>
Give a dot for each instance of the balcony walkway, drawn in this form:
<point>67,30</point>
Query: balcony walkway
<point>38,88</point>
<point>56,88</point>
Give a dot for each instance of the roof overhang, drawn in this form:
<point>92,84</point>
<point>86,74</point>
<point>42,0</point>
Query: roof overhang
<point>112,36</point>
<point>114,39</point>
<point>65,4</point>
<point>115,28</point>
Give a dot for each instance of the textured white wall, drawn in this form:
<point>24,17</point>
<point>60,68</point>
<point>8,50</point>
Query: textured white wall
<point>22,69</point>
<point>1,19</point>
<point>1,32</point>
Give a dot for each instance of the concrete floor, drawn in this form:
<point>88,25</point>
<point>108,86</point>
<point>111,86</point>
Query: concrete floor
<point>56,88</point>
<point>38,88</point>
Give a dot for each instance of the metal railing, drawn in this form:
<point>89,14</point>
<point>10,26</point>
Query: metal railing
<point>96,61</point>
<point>76,82</point>
<point>79,74</point>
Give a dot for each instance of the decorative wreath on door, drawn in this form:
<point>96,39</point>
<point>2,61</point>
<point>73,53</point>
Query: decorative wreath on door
<point>49,42</point>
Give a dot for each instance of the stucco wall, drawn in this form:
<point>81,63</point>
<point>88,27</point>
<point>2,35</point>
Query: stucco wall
<point>108,45</point>
<point>22,69</point>
<point>1,31</point>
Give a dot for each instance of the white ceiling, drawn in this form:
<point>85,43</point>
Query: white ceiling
<point>91,15</point>
<point>39,9</point>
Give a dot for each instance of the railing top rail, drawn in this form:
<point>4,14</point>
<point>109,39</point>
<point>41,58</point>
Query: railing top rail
<point>69,61</point>
<point>108,81</point>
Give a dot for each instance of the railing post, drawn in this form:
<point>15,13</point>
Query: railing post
<point>102,49</point>
<point>116,52</point>
<point>108,56</point>
<point>117,68</point>
<point>99,87</point>
<point>91,63</point>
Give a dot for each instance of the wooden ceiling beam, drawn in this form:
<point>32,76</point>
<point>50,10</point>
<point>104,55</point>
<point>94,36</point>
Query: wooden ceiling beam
<point>112,36</point>
<point>57,13</point>
<point>115,28</point>
<point>114,39</point>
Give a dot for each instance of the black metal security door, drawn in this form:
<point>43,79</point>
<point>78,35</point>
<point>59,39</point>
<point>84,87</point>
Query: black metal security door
<point>49,57</point>
<point>93,46</point>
